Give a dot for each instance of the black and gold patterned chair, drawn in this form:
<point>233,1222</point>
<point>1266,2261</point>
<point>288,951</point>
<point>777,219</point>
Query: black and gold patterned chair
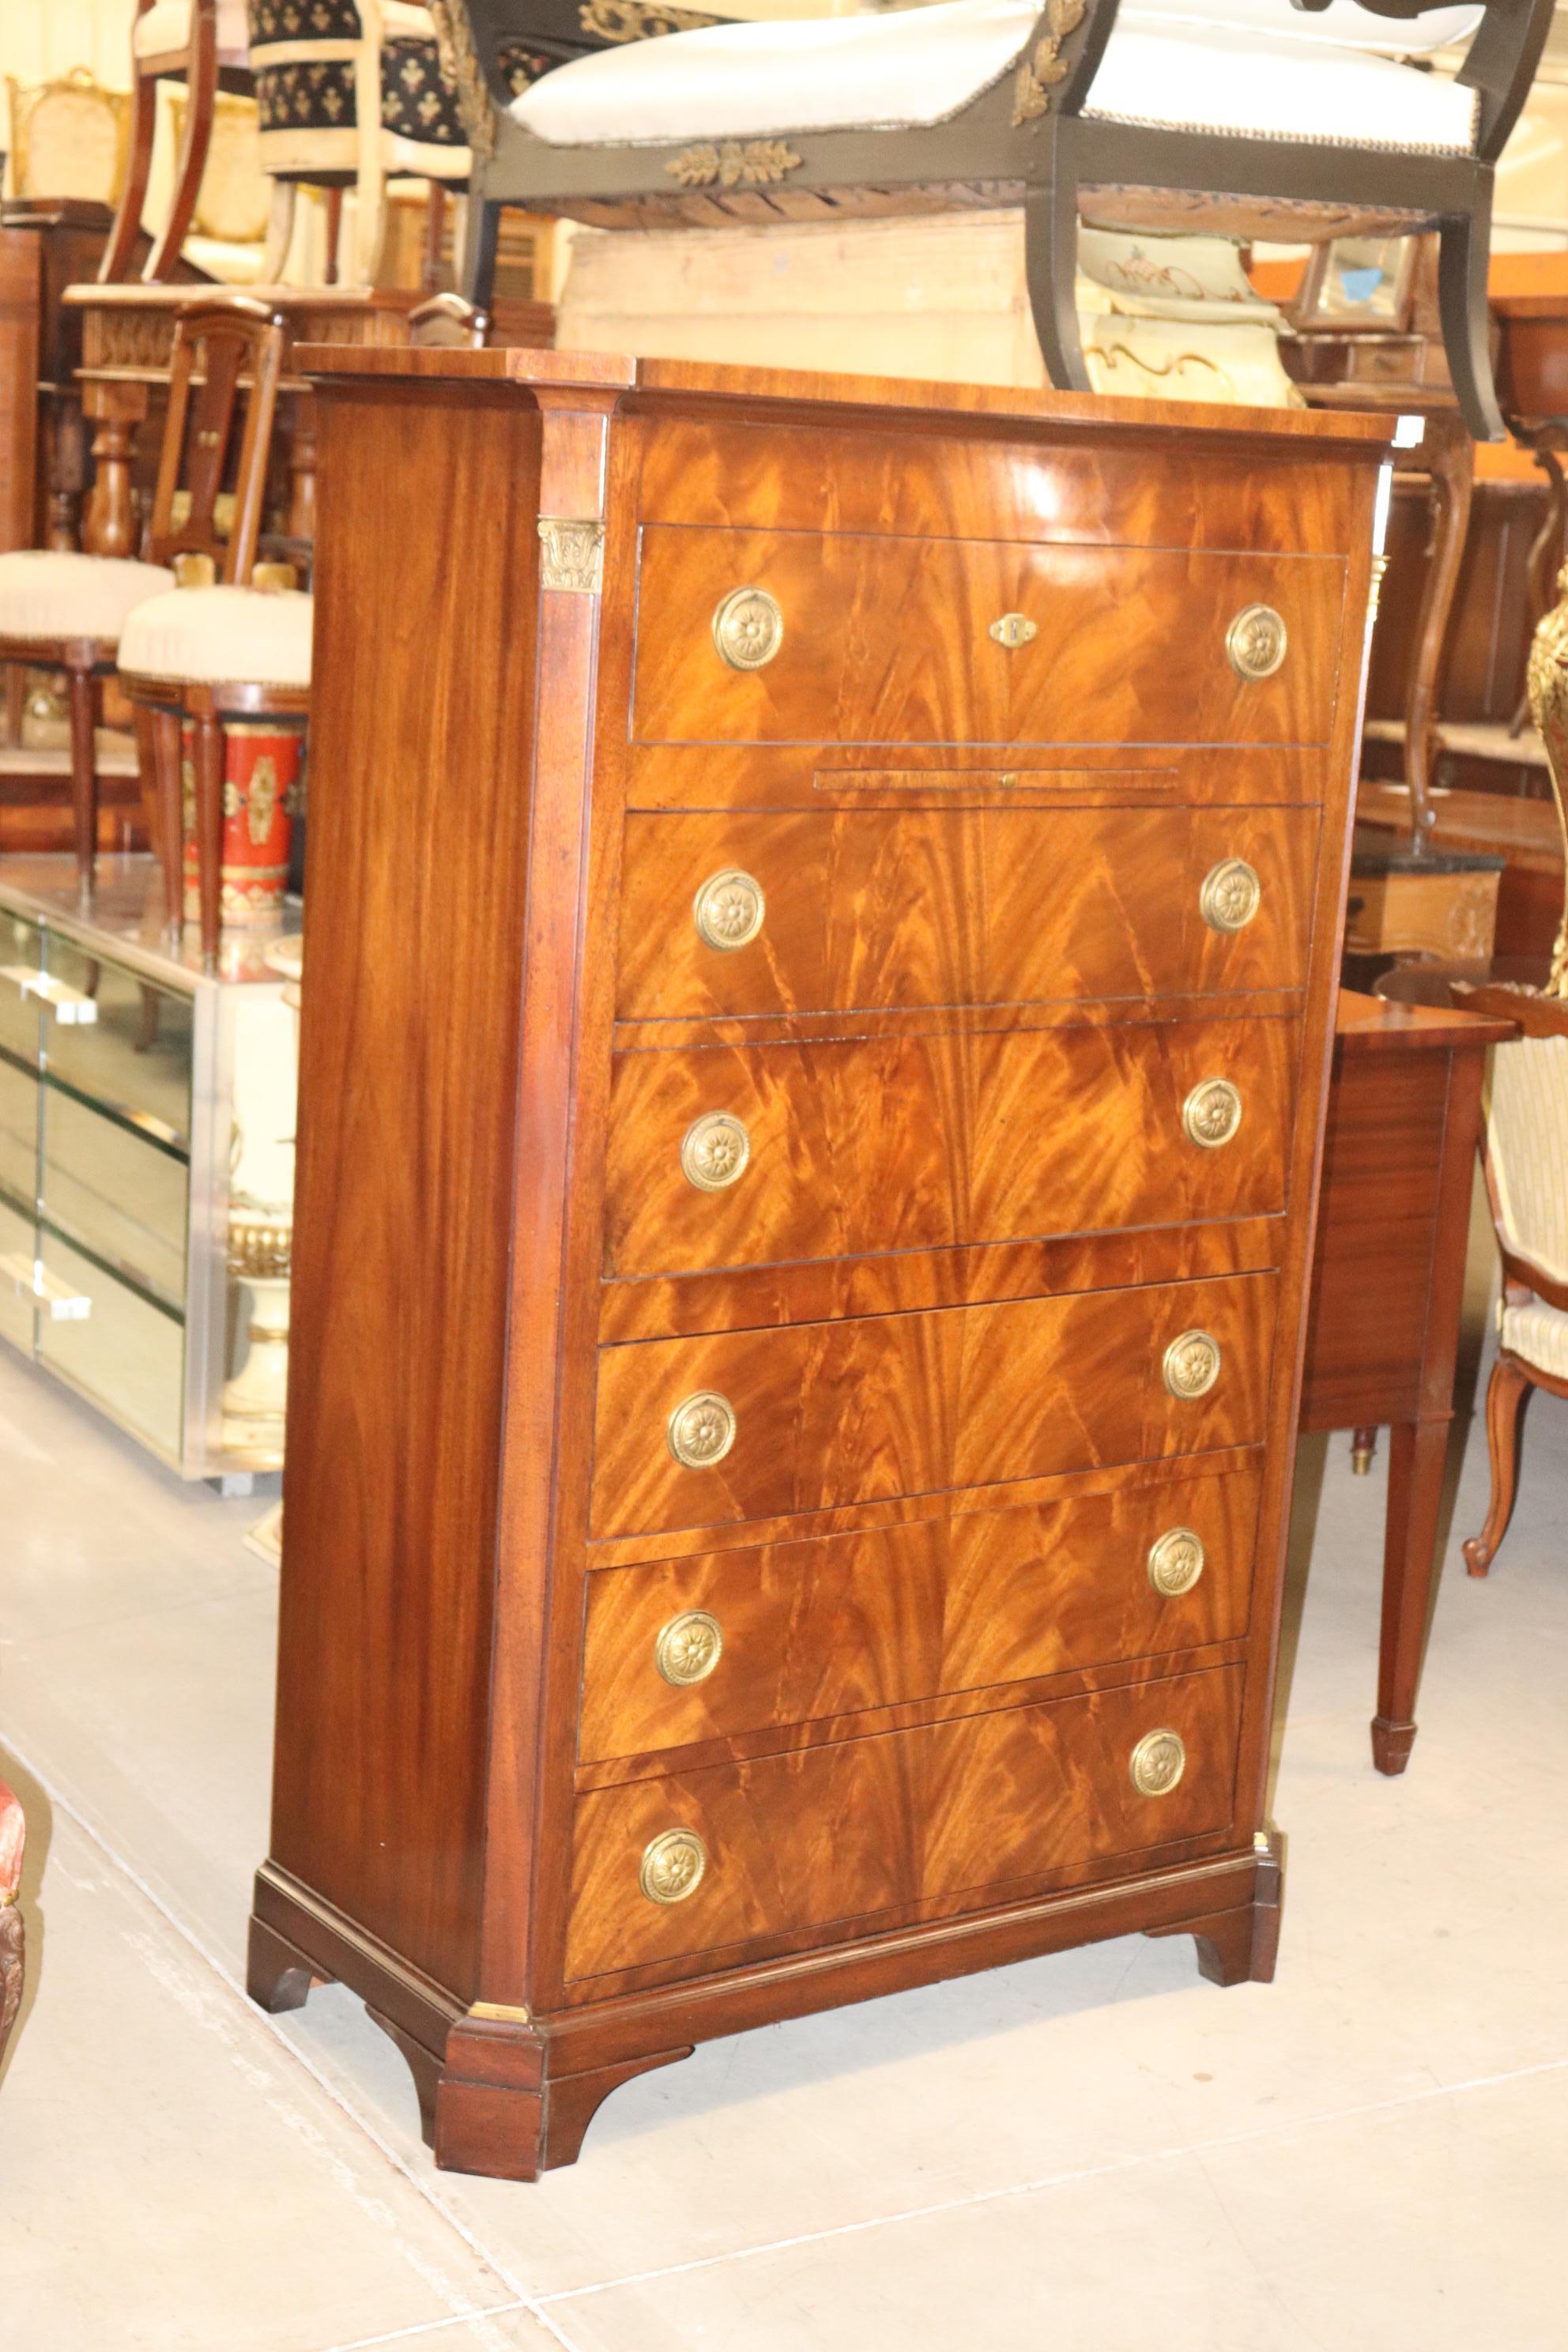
<point>352,93</point>
<point>1244,117</point>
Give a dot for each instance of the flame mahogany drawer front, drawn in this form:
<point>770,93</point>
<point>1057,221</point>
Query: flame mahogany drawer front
<point>688,1649</point>
<point>731,1155</point>
<point>852,639</point>
<point>876,907</point>
<point>696,1862</point>
<point>773,1423</point>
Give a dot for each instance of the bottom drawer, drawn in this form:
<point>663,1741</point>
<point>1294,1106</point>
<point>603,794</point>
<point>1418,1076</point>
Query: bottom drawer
<point>701,1861</point>
<point>126,1354</point>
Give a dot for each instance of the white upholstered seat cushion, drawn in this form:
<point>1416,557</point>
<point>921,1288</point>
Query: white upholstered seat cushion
<point>167,26</point>
<point>1539,1334</point>
<point>216,636</point>
<point>46,595</point>
<point>920,66</point>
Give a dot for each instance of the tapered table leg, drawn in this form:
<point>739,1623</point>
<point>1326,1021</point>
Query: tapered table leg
<point>1418,1454</point>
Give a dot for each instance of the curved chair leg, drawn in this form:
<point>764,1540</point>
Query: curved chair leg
<point>280,230</point>
<point>201,104</point>
<point>121,248</point>
<point>1463,249</point>
<point>1506,1398</point>
<point>1050,258</point>
<point>83,689</point>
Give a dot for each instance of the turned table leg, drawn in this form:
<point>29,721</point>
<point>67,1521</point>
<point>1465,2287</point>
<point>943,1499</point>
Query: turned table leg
<point>109,526</point>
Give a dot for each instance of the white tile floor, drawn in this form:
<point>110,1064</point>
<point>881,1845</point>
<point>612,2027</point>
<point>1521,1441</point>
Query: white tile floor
<point>1090,2152</point>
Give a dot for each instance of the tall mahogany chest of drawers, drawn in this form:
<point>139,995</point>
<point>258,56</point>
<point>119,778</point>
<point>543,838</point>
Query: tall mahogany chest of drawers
<point>821,923</point>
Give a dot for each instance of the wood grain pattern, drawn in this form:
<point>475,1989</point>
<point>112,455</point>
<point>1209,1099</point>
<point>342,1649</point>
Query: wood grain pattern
<point>839,1412</point>
<point>913,1817</point>
<point>886,641</point>
<point>838,1625</point>
<point>926,1142</point>
<point>407,1103</point>
<point>907,907</point>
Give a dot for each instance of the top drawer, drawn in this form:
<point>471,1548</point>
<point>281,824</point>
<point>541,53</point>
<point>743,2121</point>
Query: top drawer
<point>861,639</point>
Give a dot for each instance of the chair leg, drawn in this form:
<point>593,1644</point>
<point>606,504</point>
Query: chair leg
<point>201,105</point>
<point>209,750</point>
<point>83,696</point>
<point>121,249</point>
<point>1464,248</point>
<point>280,230</point>
<point>482,226</point>
<point>1050,255</point>
<point>1506,1399</point>
<point>168,838</point>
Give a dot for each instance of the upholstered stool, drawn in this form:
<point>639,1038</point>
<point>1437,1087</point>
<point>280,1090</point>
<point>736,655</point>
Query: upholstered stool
<point>211,654</point>
<point>62,611</point>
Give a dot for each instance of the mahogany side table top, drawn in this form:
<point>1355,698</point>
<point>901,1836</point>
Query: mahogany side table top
<point>1382,1329</point>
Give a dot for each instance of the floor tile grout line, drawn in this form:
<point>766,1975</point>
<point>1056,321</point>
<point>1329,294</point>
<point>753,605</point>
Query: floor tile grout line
<point>1064,2180</point>
<point>438,2204</point>
<point>428,2327</point>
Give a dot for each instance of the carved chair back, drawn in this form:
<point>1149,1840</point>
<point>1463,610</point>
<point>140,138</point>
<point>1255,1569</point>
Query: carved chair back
<point>68,137</point>
<point>218,431</point>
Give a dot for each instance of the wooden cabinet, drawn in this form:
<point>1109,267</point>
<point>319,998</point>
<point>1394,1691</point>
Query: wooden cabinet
<point>800,1258</point>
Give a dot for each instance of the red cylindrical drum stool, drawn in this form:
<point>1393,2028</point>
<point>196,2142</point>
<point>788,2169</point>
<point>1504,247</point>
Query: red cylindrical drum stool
<point>261,766</point>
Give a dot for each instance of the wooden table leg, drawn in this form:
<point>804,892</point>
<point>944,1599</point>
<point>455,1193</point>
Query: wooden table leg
<point>1418,1454</point>
<point>109,526</point>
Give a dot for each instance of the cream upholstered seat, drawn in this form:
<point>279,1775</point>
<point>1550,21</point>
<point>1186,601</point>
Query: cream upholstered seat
<point>1527,1151</point>
<point>210,637</point>
<point>166,27</point>
<point>45,594</point>
<point>1237,67</point>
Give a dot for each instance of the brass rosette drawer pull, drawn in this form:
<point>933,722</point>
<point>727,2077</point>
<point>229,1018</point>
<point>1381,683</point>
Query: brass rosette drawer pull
<point>728,910</point>
<point>1191,1365</point>
<point>1175,1562</point>
<point>1256,643</point>
<point>714,1151</point>
<point>1212,1114</point>
<point>689,1648</point>
<point>701,1429</point>
<point>1230,895</point>
<point>1157,1763</point>
<point>673,1866</point>
<point>748,629</point>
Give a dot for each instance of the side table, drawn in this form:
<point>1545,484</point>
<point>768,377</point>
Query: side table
<point>1382,1329</point>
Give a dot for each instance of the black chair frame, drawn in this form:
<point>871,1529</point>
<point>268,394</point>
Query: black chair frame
<point>1024,140</point>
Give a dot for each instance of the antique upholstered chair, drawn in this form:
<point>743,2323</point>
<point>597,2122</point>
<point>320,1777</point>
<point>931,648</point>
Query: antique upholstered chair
<point>352,93</point>
<point>13,1839</point>
<point>1527,1178</point>
<point>68,137</point>
<point>213,647</point>
<point>201,43</point>
<point>1526,1143</point>
<point>1246,117</point>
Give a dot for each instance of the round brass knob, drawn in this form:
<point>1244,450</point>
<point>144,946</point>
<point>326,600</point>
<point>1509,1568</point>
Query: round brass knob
<point>748,629</point>
<point>1175,1562</point>
<point>673,1866</point>
<point>729,909</point>
<point>701,1429</point>
<point>1211,1113</point>
<point>1255,642</point>
<point>714,1151</point>
<point>1156,1764</point>
<point>1192,1364</point>
<point>1230,895</point>
<point>688,1647</point>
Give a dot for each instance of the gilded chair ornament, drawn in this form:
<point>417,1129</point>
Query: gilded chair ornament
<point>1548,683</point>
